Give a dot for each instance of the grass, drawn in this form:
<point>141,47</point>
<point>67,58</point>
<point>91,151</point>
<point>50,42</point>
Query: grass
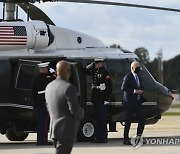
<point>176,105</point>
<point>171,114</point>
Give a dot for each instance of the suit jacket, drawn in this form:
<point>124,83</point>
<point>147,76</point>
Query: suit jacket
<point>128,86</point>
<point>64,109</point>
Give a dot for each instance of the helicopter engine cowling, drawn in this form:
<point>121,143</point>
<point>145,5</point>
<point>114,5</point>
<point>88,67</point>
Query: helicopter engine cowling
<point>24,35</point>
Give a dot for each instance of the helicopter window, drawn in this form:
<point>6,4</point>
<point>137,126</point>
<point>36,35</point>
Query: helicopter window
<point>25,77</point>
<point>88,80</point>
<point>116,71</point>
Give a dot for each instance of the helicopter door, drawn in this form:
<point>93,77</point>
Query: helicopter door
<point>78,80</point>
<point>23,78</point>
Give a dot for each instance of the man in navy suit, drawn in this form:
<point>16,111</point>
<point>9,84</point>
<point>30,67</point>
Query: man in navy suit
<point>132,100</point>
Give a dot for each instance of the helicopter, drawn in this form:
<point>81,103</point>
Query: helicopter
<point>23,45</point>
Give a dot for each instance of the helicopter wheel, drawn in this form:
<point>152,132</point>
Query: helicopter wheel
<point>12,135</point>
<point>86,130</point>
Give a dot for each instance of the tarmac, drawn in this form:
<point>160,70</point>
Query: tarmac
<point>162,138</point>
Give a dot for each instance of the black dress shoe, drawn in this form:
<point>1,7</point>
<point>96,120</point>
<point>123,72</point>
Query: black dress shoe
<point>127,142</point>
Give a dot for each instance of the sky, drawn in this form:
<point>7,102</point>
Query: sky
<point>128,27</point>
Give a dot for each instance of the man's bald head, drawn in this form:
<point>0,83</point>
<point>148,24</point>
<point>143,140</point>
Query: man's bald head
<point>134,66</point>
<point>63,69</point>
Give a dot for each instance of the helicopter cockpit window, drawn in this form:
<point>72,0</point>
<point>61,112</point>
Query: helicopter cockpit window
<point>146,76</point>
<point>25,77</point>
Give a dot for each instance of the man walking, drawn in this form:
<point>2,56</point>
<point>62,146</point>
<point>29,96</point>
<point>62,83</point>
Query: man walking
<point>64,110</point>
<point>133,89</point>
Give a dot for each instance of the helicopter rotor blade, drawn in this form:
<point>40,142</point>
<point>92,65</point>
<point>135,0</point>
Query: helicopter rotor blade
<point>117,4</point>
<point>99,2</point>
<point>36,14</point>
<point>18,1</point>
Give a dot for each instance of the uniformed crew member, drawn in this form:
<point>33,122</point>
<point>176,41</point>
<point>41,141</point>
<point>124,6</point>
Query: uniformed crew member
<point>101,92</point>
<point>39,85</point>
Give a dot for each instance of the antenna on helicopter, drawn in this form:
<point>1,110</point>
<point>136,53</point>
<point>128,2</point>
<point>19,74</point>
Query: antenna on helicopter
<point>17,12</point>
<point>3,11</point>
<point>28,15</point>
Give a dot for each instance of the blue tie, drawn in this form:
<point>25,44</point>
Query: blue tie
<point>137,81</point>
<point>138,85</point>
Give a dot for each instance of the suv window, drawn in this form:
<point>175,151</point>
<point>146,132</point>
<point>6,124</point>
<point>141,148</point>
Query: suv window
<point>25,77</point>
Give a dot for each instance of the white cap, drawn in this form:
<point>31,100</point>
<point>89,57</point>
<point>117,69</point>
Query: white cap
<point>43,64</point>
<point>98,60</point>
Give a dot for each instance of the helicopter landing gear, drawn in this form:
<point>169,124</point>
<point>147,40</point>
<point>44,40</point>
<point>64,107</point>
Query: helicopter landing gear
<point>12,135</point>
<point>86,130</point>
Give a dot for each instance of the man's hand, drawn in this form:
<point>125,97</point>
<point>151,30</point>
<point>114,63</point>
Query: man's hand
<point>139,92</point>
<point>51,70</point>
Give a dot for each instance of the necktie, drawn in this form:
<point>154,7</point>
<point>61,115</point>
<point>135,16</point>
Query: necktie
<point>138,85</point>
<point>137,81</point>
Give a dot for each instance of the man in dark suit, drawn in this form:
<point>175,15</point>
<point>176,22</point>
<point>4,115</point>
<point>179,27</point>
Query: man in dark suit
<point>64,109</point>
<point>133,89</point>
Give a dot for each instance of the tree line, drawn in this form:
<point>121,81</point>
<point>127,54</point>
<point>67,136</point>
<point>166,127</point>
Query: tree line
<point>171,68</point>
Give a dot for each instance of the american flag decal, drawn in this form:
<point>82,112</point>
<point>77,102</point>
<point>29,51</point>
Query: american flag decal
<point>13,35</point>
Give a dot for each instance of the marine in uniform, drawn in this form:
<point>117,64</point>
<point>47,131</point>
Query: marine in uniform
<point>39,85</point>
<point>101,93</point>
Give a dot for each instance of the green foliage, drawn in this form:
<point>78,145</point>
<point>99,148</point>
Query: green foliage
<point>143,54</point>
<point>115,46</point>
<point>176,105</point>
<point>153,68</point>
<point>172,73</point>
<point>171,114</point>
